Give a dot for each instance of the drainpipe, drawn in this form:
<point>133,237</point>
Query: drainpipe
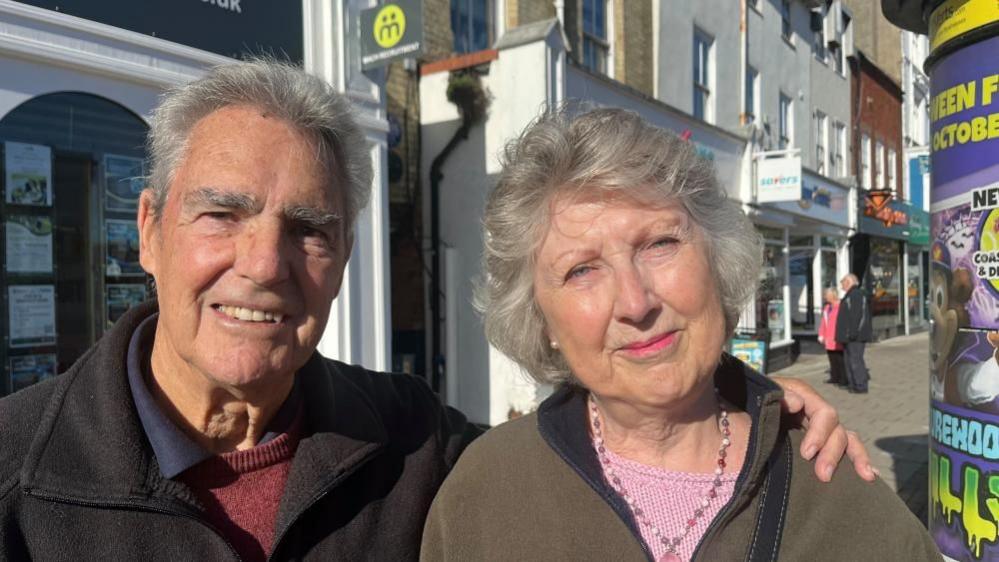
<point>465,91</point>
<point>437,364</point>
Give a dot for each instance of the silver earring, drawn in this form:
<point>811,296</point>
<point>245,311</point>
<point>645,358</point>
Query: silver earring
<point>554,344</point>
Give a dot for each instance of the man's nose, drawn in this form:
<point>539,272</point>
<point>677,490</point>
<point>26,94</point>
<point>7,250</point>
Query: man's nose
<point>635,298</point>
<point>262,255</point>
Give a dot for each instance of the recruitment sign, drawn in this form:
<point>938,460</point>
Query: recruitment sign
<point>391,32</point>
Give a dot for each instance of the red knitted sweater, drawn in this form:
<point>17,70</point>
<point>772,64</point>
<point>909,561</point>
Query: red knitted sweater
<point>241,491</point>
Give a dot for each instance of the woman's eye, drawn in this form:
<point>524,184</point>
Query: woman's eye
<point>578,271</point>
<point>663,242</point>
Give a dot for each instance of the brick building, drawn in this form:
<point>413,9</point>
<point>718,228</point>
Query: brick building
<point>885,252</point>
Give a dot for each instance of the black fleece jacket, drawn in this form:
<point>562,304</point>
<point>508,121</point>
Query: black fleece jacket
<point>79,481</point>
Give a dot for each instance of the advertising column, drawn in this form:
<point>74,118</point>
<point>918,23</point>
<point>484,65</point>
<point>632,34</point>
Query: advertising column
<point>964,279</point>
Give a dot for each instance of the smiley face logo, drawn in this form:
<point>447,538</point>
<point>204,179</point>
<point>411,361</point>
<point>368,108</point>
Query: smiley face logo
<point>390,26</point>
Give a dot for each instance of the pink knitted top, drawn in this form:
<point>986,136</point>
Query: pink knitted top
<point>669,499</point>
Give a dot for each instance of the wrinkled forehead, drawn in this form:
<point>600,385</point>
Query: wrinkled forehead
<point>572,210</point>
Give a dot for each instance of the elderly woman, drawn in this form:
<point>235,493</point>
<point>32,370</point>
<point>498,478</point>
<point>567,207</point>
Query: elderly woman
<point>827,337</point>
<point>616,270</point>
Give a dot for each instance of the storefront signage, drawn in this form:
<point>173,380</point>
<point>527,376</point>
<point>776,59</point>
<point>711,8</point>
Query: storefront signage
<point>391,32</point>
<point>750,352</point>
<point>29,244</point>
<point>232,28</point>
<point>882,215</point>
<point>26,370</point>
<point>28,176</point>
<point>778,178</point>
<point>124,179</point>
<point>919,227</point>
<point>957,17</point>
<point>878,205</point>
<point>31,311</point>
<point>819,199</point>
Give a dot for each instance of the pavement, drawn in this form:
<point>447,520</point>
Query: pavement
<point>892,419</point>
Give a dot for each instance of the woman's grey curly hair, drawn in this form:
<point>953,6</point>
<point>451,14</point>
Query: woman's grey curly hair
<point>604,152</point>
<point>306,102</point>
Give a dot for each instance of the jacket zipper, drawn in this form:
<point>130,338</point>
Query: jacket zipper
<point>318,496</point>
<point>138,507</point>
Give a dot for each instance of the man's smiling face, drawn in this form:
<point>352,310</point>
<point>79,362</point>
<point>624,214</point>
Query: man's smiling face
<point>248,253</point>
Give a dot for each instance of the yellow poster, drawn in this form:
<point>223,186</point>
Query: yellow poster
<point>957,17</point>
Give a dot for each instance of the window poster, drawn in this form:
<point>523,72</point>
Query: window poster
<point>32,315</point>
<point>122,297</point>
<point>28,178</point>
<point>124,178</point>
<point>26,370</point>
<point>122,238</point>
<point>29,244</point>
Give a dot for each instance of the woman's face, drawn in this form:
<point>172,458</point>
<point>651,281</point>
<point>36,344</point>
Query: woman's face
<point>629,297</point>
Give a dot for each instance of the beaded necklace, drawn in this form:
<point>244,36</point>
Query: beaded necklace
<point>670,543</point>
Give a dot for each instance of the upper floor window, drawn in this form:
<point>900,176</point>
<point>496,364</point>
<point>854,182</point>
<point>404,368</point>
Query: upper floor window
<point>890,170</point>
<point>595,43</point>
<point>819,26</point>
<point>786,124</point>
<point>703,77</point>
<point>865,161</point>
<point>879,165</point>
<point>752,94</point>
<point>471,25</point>
<point>837,163</point>
<point>821,134</point>
<point>785,19</point>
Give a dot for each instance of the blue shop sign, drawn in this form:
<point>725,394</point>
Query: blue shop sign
<point>820,200</point>
<point>883,215</point>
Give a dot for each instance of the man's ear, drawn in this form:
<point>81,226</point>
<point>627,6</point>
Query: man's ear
<point>149,225</point>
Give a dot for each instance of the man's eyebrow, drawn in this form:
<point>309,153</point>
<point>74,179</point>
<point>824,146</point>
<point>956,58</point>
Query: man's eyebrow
<point>222,198</point>
<point>312,216</point>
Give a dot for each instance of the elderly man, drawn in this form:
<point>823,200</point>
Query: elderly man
<point>173,438</point>
<point>205,426</point>
<point>853,330</point>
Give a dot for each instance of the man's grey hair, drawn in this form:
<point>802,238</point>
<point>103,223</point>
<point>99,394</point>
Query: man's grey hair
<point>306,102</point>
<point>599,152</point>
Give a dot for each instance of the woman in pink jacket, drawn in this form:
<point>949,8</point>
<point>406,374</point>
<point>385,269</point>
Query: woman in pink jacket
<point>827,336</point>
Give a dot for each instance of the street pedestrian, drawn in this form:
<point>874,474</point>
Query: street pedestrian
<point>854,331</point>
<point>827,337</point>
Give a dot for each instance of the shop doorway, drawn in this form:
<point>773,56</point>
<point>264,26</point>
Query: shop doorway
<point>72,167</point>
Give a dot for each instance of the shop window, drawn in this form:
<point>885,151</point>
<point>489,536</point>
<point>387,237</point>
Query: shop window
<point>72,168</point>
<point>914,289</point>
<point>886,277</point>
<point>471,25</point>
<point>802,288</point>
<point>806,240</point>
<point>771,234</point>
<point>770,296</point>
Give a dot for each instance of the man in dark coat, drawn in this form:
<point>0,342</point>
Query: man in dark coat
<point>853,330</point>
<point>206,426</point>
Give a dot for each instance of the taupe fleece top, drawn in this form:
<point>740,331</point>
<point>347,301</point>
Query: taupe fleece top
<point>527,491</point>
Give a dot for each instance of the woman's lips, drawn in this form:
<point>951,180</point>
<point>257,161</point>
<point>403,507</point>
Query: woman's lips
<point>650,346</point>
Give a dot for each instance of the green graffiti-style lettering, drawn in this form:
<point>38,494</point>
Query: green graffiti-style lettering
<point>934,483</point>
<point>992,503</point>
<point>978,528</point>
<point>949,503</point>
